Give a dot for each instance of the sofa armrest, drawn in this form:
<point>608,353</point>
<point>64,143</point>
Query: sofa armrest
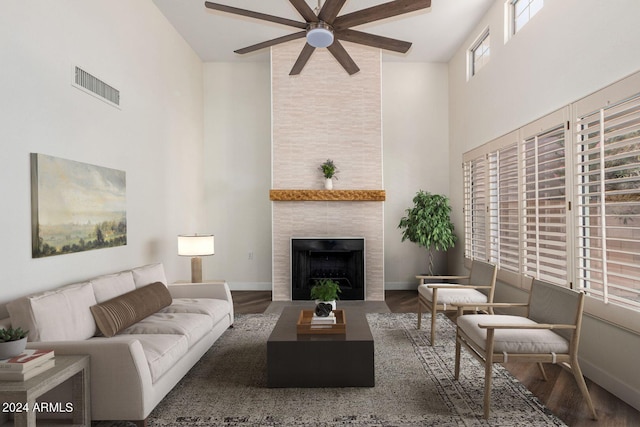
<point>215,290</point>
<point>120,375</point>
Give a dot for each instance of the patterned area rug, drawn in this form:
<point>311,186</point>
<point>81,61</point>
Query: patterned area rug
<point>414,385</point>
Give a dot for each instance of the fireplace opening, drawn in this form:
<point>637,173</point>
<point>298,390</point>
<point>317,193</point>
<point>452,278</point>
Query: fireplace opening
<point>340,259</point>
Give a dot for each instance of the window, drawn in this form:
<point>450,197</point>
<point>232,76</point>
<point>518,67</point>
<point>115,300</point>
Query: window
<point>608,202</point>
<point>561,202</point>
<point>475,207</point>
<point>479,53</point>
<point>522,11</point>
<point>504,209</point>
<point>544,229</point>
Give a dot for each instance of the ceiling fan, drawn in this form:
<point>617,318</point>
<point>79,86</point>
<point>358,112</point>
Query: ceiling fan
<point>324,28</point>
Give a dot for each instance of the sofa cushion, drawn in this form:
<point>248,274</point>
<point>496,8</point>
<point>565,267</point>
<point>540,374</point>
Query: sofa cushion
<point>216,308</point>
<point>59,315</point>
<point>112,285</point>
<point>192,326</point>
<point>161,351</point>
<point>116,314</point>
<point>147,274</point>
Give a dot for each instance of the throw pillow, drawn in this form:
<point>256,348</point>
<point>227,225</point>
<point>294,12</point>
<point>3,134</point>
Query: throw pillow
<point>116,314</point>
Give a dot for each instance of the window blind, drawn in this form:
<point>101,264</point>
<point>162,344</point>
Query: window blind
<point>543,230</point>
<point>504,209</point>
<point>475,207</point>
<point>608,202</point>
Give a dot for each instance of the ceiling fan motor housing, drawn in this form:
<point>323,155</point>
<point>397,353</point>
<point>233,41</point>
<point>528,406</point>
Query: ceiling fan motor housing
<point>320,34</point>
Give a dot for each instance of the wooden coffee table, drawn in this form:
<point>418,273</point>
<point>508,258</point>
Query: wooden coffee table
<point>345,360</point>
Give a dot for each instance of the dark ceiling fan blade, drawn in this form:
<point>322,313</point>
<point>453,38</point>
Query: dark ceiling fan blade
<point>272,42</point>
<point>330,10</point>
<point>373,40</point>
<point>256,15</point>
<point>304,10</point>
<point>382,11</point>
<point>338,52</point>
<point>304,56</point>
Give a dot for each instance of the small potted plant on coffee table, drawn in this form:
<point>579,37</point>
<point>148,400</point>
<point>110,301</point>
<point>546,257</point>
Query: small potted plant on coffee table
<point>325,291</point>
<point>12,342</point>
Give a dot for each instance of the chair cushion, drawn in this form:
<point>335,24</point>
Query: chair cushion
<point>520,341</point>
<point>215,308</point>
<point>116,314</point>
<point>447,296</point>
<point>192,326</point>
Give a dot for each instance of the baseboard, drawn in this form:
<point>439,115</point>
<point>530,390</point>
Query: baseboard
<point>267,286</point>
<point>400,286</point>
<point>250,286</point>
<point>615,386</point>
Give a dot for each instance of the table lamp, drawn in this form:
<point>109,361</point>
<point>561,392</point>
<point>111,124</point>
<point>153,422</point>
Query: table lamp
<point>196,246</point>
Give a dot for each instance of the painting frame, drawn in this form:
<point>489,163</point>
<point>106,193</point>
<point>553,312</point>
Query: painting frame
<point>75,206</point>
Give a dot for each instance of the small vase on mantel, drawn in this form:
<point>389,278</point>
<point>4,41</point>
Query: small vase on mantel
<point>328,184</point>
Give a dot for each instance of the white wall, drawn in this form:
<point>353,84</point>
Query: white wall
<point>237,155</point>
<point>569,49</point>
<point>156,136</point>
<point>415,119</point>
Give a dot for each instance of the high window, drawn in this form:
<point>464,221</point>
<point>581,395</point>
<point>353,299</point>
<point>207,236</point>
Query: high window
<point>522,11</point>
<point>479,53</point>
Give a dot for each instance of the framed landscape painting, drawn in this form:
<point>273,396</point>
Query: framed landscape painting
<point>75,206</point>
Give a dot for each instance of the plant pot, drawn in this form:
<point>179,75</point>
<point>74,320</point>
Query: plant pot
<point>12,348</point>
<point>328,184</point>
<point>333,303</point>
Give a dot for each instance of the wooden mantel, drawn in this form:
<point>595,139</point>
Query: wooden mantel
<point>327,195</point>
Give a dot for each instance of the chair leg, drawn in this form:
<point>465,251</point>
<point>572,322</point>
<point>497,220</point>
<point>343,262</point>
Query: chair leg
<point>434,312</point>
<point>419,313</point>
<point>488,367</point>
<point>458,348</point>
<point>542,371</point>
<point>582,385</point>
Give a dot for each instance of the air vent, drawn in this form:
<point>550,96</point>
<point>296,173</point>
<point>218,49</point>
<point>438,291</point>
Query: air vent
<point>96,87</point>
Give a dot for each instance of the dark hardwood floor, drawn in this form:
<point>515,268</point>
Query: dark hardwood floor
<point>560,393</point>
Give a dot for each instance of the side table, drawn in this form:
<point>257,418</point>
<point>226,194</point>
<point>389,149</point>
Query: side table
<point>19,397</point>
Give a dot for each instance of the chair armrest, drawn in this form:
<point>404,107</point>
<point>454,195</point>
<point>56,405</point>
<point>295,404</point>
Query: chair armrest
<point>536,326</point>
<point>453,286</point>
<point>469,305</point>
<point>422,278</point>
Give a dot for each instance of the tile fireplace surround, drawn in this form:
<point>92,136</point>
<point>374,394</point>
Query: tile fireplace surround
<point>326,114</point>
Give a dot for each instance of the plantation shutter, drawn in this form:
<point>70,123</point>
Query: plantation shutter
<point>503,211</point>
<point>608,198</point>
<point>544,206</point>
<point>475,208</point>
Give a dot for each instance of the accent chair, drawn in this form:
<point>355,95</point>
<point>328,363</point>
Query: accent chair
<point>478,287</point>
<point>548,333</point>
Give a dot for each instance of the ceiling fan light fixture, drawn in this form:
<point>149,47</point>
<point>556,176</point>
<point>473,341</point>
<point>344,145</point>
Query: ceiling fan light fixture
<point>320,34</point>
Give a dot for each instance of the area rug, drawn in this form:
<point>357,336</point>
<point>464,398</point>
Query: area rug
<point>414,385</point>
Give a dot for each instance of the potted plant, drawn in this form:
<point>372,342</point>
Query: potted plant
<point>428,224</point>
<point>329,171</point>
<point>325,291</point>
<point>12,342</point>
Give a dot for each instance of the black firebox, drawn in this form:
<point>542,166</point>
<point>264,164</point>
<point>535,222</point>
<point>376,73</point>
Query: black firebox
<point>340,259</point>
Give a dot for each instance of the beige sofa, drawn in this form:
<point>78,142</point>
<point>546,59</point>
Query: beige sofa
<point>133,370</point>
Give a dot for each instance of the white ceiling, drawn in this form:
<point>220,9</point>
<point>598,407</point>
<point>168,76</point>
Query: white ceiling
<point>436,33</point>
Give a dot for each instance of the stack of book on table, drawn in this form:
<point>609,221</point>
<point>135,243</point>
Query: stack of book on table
<point>318,321</point>
<point>28,364</point>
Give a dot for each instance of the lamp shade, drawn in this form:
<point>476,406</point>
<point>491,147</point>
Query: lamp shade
<point>320,34</point>
<point>196,245</point>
